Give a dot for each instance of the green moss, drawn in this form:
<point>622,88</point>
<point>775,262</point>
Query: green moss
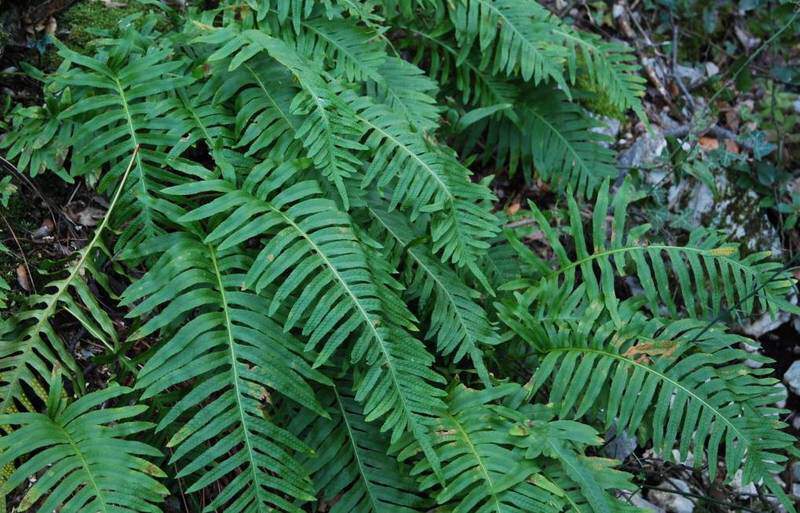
<point>596,100</point>
<point>83,21</point>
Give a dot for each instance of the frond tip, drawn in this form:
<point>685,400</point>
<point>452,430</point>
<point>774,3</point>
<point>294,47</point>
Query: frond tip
<point>84,453</point>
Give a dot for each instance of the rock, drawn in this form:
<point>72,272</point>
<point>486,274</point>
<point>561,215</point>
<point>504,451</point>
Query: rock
<point>620,445</point>
<point>669,501</point>
<point>733,211</point>
<point>796,472</point>
<point>766,323</point>
<point>792,377</point>
<point>692,76</point>
<point>688,461</point>
<point>796,106</point>
<point>609,127</point>
<point>796,489</point>
<point>783,393</point>
<point>743,491</point>
<point>636,499</point>
<point>711,69</point>
<point>644,151</point>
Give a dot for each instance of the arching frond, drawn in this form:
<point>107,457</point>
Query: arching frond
<point>687,384</point>
<point>81,456</point>
<point>351,469</point>
<point>611,66</point>
<point>30,346</point>
<point>121,103</point>
<point>458,323</point>
<point>328,130</point>
<point>407,90</point>
<point>330,286</point>
<point>235,358</point>
<point>513,36</point>
<point>424,178</point>
<point>553,136</point>
<point>708,270</point>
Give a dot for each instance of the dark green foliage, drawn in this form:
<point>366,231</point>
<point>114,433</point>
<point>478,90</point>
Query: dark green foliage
<point>332,316</point>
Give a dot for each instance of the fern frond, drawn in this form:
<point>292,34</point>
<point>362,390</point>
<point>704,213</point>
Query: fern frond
<point>494,457</point>
<point>30,347</point>
<point>708,270</point>
<point>82,456</point>
<point>457,322</point>
<point>686,383</point>
<point>328,130</point>
<point>351,469</point>
<point>554,135</point>
<point>38,140</point>
<point>425,178</point>
<point>120,103</point>
<point>514,36</point>
<point>611,66</point>
<point>236,357</point>
<point>351,52</point>
<point>330,285</point>
<point>407,90</point>
<point>477,86</point>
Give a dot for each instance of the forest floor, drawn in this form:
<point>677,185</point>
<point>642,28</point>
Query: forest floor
<point>722,149</point>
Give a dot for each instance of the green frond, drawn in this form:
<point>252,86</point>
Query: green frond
<point>350,468</point>
<point>407,90</point>
<point>82,456</point>
<point>709,272</point>
<point>263,92</point>
<point>457,322</point>
<point>426,179</point>
<point>30,346</point>
<point>610,65</point>
<point>351,52</point>
<point>198,118</point>
<point>494,458</point>
<point>329,284</point>
<point>685,384</point>
<point>513,36</point>
<point>121,104</point>
<point>477,86</point>
<point>38,141</point>
<point>328,130</point>
<point>553,136</point>
<point>235,357</point>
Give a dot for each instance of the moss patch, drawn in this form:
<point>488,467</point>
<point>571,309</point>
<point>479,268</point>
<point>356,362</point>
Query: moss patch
<point>83,22</point>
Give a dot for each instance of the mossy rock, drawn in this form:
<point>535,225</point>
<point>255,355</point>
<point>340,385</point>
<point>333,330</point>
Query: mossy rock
<point>87,21</point>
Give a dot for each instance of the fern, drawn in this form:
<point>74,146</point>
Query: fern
<point>231,353</point>
<point>30,346</point>
<point>708,270</point>
<point>323,310</point>
<point>85,455</point>
<point>350,469</point>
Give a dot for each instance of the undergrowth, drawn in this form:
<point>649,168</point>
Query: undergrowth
<point>324,312</point>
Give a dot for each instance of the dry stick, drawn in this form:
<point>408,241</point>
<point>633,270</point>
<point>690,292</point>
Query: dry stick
<point>21,252</point>
<point>693,130</point>
<point>675,75</point>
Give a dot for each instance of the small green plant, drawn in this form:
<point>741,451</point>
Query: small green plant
<point>333,317</point>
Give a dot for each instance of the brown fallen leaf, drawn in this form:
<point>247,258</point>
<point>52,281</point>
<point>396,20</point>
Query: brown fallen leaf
<point>708,143</point>
<point>731,146</point>
<point>89,216</point>
<point>513,208</point>
<point>44,230</point>
<point>23,278</point>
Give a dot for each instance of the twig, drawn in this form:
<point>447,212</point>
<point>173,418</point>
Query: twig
<point>21,252</point>
<point>717,131</point>
<point>675,75</point>
<point>729,505</point>
<point>519,223</point>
